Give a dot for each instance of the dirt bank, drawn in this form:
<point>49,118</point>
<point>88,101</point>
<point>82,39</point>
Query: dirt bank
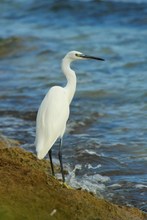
<point>28,192</point>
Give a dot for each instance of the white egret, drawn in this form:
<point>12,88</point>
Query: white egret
<point>54,110</point>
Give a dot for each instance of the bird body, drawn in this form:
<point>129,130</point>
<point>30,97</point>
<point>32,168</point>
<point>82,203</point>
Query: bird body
<point>51,119</point>
<point>54,111</point>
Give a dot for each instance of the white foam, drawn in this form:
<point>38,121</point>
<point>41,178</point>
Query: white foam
<point>94,167</point>
<point>92,183</point>
<point>115,185</point>
<point>140,186</point>
<point>91,152</point>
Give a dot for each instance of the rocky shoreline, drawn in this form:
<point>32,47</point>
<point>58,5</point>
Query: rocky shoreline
<point>29,192</point>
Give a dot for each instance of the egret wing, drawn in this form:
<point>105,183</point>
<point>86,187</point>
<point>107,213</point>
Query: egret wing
<point>51,119</point>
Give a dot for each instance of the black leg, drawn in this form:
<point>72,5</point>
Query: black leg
<point>51,162</point>
<point>60,159</point>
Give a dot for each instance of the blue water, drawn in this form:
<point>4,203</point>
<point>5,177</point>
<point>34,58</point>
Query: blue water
<point>105,148</point>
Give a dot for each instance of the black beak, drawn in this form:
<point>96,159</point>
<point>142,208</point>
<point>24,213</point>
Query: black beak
<point>91,57</point>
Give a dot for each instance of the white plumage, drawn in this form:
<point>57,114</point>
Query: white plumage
<point>54,110</point>
<point>51,119</point>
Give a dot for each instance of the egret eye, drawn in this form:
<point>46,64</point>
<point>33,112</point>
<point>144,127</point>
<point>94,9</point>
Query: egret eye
<point>77,55</point>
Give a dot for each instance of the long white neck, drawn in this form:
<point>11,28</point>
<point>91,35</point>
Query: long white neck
<point>71,78</point>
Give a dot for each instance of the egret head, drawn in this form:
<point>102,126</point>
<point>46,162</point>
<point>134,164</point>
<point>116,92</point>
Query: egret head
<point>76,55</point>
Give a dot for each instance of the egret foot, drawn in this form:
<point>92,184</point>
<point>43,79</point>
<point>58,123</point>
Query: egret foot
<point>65,185</point>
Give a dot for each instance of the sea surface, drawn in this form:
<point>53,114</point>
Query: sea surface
<point>105,145</point>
